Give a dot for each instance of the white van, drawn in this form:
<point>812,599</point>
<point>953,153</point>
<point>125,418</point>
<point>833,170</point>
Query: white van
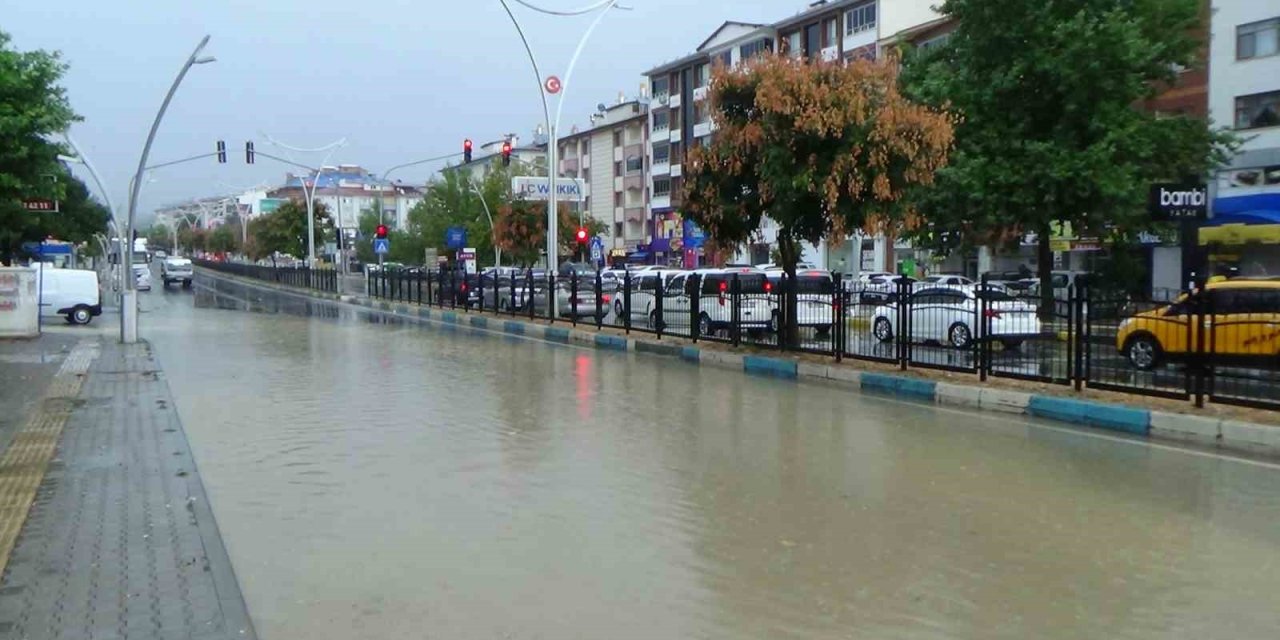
<point>72,293</point>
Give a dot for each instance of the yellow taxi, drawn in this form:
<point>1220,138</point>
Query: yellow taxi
<point>1239,319</point>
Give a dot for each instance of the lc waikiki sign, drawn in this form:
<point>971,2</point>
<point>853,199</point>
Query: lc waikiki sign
<point>537,188</point>
<point>1171,202</point>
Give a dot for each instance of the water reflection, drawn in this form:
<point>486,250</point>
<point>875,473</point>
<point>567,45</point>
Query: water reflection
<point>375,478</point>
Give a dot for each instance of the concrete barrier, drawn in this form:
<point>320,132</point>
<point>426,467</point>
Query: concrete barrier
<point>690,354</point>
<point>513,327</point>
<point>958,395</point>
<point>812,370</point>
<point>722,359</point>
<point>610,342</point>
<point>1247,436</point>
<point>1093,414</point>
<point>774,367</point>
<point>450,317</point>
<point>1004,400</point>
<point>556,334</point>
<point>479,321</point>
<point>845,374</point>
<point>659,348</point>
<point>1184,427</point>
<point>899,385</point>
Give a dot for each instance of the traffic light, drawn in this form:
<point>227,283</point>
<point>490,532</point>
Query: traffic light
<point>582,235</point>
<point>381,232</point>
<point>222,152</point>
<point>248,152</point>
<point>466,150</point>
<point>506,153</point>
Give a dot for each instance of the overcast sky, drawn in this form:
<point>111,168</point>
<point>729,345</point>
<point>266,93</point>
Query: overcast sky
<point>400,80</point>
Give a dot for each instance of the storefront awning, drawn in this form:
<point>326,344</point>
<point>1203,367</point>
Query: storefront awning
<point>1253,218</point>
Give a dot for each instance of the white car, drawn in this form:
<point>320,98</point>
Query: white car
<point>73,293</point>
<point>814,291</point>
<point>949,315</point>
<point>142,277</point>
<point>176,270</point>
<point>756,310</point>
<point>645,287</point>
<point>946,279</point>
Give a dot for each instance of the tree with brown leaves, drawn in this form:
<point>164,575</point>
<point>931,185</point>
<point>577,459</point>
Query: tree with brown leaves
<point>822,149</point>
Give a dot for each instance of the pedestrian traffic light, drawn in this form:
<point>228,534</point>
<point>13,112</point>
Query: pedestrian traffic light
<point>222,152</point>
<point>466,150</point>
<point>381,232</point>
<point>248,152</point>
<point>582,235</point>
<point>506,153</point>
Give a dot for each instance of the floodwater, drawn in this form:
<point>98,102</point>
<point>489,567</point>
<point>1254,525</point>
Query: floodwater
<point>376,479</point>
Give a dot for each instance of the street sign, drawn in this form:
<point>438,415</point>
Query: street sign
<point>467,258</point>
<point>381,246</point>
<point>597,250</point>
<point>455,237</point>
<point>694,236</point>
<point>538,188</point>
<point>41,205</point>
<point>552,84</point>
<point>1172,202</point>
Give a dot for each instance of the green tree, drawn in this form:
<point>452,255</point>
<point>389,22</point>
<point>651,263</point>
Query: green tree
<point>823,150</point>
<point>223,239</point>
<point>521,230</point>
<point>192,239</point>
<point>1052,130</point>
<point>285,230</point>
<point>33,107</point>
<point>159,235</point>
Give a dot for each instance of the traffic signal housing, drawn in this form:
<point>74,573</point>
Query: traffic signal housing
<point>248,152</point>
<point>506,153</point>
<point>380,232</point>
<point>581,235</point>
<point>466,150</point>
<point>222,152</point>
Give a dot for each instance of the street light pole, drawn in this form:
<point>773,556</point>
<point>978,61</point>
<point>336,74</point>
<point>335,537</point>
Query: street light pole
<point>129,296</point>
<point>497,251</point>
<point>83,159</point>
<point>553,168</point>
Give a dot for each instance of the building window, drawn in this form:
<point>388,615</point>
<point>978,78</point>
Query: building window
<point>617,198</point>
<point>661,187</point>
<point>701,113</point>
<point>725,58</point>
<point>634,164</point>
<point>791,44</point>
<point>859,19</point>
<point>617,137</point>
<point>701,75</point>
<point>617,169</point>
<point>661,119</point>
<point>617,229</point>
<point>675,153</point>
<point>659,87</point>
<point>675,119</point>
<point>1258,110</point>
<point>936,41</point>
<point>753,49</point>
<point>586,175</point>
<point>812,40</point>
<point>1258,39</point>
<point>829,33</point>
<point>586,203</point>
<point>661,153</point>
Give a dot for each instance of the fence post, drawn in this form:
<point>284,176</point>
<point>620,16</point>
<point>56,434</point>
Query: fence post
<point>658,297</point>
<point>983,349</point>
<point>693,287</point>
<point>780,331</point>
<point>1201,360</point>
<point>599,299</point>
<point>573,297</point>
<point>837,316</point>
<point>1075,333</point>
<point>552,295</point>
<point>735,311</point>
<point>626,301</point>
<point>480,292</point>
<point>904,323</point>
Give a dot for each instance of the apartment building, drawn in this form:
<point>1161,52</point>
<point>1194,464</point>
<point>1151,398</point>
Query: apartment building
<point>1244,94</point>
<point>348,190</point>
<point>609,156</point>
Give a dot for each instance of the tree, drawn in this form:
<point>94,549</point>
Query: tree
<point>1052,128</point>
<point>159,235</point>
<point>520,230</point>
<point>285,230</point>
<point>194,239</point>
<point>222,240</point>
<point>32,108</point>
<point>822,149</point>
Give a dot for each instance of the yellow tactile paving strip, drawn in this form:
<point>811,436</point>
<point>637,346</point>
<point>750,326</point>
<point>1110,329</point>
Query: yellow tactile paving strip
<point>23,465</point>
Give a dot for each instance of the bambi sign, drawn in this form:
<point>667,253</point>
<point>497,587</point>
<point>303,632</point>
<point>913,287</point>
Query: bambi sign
<point>1170,202</point>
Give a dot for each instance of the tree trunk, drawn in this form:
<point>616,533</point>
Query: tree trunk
<point>788,329</point>
<point>1044,273</point>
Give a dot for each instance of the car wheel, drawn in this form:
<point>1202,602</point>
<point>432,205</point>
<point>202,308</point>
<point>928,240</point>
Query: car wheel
<point>882,330</point>
<point>79,315</point>
<point>959,335</point>
<point>775,323</point>
<point>704,325</point>
<point>617,313</point>
<point>824,330</point>
<point>186,284</point>
<point>1143,352</point>
<point>654,321</point>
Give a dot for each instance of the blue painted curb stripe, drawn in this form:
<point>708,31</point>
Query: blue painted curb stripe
<point>450,317</point>
<point>1093,414</point>
<point>661,349</point>
<point>404,308</point>
<point>613,343</point>
<point>513,327</point>
<point>878,382</point>
<point>769,366</point>
<point>556,334</point>
<point>479,321</point>
<point>424,312</point>
<point>690,354</point>
<point>385,306</point>
<point>900,385</point>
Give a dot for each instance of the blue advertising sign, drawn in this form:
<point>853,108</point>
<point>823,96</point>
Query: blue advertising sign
<point>381,245</point>
<point>694,236</point>
<point>455,237</point>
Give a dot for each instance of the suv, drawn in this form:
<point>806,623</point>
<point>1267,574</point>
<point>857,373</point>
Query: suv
<point>815,290</point>
<point>1241,315</point>
<point>176,270</point>
<point>712,291</point>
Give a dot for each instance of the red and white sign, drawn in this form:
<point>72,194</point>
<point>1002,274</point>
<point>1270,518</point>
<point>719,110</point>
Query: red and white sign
<point>40,205</point>
<point>552,84</point>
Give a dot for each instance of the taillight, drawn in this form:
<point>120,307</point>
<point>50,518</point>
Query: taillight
<point>724,286</point>
<point>768,286</point>
<point>464,287</point>
<point>605,298</point>
<point>991,313</point>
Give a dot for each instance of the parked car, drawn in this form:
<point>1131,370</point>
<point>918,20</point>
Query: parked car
<point>880,289</point>
<point>757,308</point>
<point>72,293</point>
<point>814,291</point>
<point>644,289</point>
<point>1244,325</point>
<point>947,280</point>
<point>949,315</point>
<point>176,270</point>
<point>142,277</point>
<point>579,302</point>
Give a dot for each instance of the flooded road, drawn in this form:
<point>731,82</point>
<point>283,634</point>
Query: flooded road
<point>374,479</point>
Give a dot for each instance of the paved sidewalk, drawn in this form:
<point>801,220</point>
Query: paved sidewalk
<point>120,541</point>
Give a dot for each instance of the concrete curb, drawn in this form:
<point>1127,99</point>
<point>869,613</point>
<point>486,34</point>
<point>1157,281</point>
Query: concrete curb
<point>1226,434</point>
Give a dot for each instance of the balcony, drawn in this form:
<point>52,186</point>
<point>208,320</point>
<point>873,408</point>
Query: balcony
<point>617,184</point>
<point>674,101</point>
<point>675,135</point>
<point>831,54</point>
<point>702,129</point>
<point>660,202</point>
<point>699,93</point>
<point>660,168</point>
<point>675,171</point>
<point>569,166</point>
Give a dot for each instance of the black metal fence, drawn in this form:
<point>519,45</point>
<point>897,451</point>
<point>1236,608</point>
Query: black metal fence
<point>302,277</point>
<point>1074,337</point>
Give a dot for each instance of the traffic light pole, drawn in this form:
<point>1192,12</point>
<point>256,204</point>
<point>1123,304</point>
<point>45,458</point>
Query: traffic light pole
<point>553,166</point>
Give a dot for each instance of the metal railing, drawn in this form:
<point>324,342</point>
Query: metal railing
<point>301,277</point>
<point>1082,338</point>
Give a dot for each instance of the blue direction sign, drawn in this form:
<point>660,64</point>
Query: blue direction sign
<point>381,245</point>
<point>597,250</point>
<point>455,237</point>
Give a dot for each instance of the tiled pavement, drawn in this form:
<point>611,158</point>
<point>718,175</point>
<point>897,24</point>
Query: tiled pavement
<point>120,541</point>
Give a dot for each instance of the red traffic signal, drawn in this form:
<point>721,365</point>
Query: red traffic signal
<point>466,150</point>
<point>506,153</point>
<point>381,232</point>
<point>582,235</point>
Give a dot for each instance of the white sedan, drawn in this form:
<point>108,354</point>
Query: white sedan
<point>949,315</point>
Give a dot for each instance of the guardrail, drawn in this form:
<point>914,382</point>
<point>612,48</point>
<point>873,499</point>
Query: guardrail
<point>1081,338</point>
<point>302,277</point>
